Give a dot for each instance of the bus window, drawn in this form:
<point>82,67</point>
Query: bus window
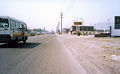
<point>4,23</point>
<point>23,27</point>
<point>12,24</point>
<point>17,25</point>
<point>20,26</point>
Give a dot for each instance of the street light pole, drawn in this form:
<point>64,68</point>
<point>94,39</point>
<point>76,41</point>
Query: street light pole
<point>82,21</point>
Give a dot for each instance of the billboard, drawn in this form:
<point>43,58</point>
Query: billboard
<point>77,23</point>
<point>117,22</point>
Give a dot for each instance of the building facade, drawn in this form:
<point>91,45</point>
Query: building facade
<point>81,29</point>
<point>115,28</point>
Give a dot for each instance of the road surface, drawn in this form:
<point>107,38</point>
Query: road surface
<point>44,54</point>
<point>61,54</point>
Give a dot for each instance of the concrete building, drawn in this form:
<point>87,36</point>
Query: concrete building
<point>115,28</point>
<point>81,29</point>
<point>66,30</point>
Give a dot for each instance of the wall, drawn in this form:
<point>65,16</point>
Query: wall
<point>114,32</point>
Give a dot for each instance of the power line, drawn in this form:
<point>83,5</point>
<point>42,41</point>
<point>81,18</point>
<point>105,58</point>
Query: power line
<point>72,2</point>
<point>70,6</point>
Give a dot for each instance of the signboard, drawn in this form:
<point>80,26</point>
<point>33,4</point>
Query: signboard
<point>117,22</point>
<point>77,23</point>
<point>77,28</point>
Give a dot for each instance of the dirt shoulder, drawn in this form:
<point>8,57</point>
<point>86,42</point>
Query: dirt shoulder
<point>95,54</point>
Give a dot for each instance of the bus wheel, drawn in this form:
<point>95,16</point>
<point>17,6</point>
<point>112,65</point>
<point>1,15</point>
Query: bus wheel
<point>16,40</point>
<point>24,41</point>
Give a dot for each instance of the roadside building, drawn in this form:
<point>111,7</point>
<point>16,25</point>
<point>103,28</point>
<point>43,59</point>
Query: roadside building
<point>82,29</point>
<point>66,30</point>
<point>115,28</point>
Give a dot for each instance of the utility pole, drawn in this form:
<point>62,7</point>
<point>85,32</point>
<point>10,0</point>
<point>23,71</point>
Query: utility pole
<point>61,14</point>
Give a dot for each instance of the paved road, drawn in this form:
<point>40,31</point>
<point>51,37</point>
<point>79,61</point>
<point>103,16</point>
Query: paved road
<point>45,54</point>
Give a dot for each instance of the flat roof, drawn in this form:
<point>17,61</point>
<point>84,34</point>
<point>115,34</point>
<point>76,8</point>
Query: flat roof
<point>8,17</point>
<point>83,25</point>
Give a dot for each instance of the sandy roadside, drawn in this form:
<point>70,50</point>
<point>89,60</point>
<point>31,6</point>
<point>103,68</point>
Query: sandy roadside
<point>94,54</point>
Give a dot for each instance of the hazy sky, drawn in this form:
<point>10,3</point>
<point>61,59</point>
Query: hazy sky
<point>46,13</point>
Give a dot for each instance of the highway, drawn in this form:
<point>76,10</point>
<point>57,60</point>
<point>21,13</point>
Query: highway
<point>43,54</point>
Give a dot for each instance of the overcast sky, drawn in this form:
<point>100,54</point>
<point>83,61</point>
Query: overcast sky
<point>46,13</point>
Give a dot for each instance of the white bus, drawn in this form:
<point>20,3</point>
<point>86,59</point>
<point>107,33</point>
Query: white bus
<point>12,30</point>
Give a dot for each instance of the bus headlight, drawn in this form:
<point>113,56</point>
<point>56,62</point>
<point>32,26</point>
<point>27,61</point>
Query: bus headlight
<point>6,29</point>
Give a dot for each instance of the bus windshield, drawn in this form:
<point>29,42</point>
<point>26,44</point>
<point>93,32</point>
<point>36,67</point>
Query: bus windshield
<point>4,23</point>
